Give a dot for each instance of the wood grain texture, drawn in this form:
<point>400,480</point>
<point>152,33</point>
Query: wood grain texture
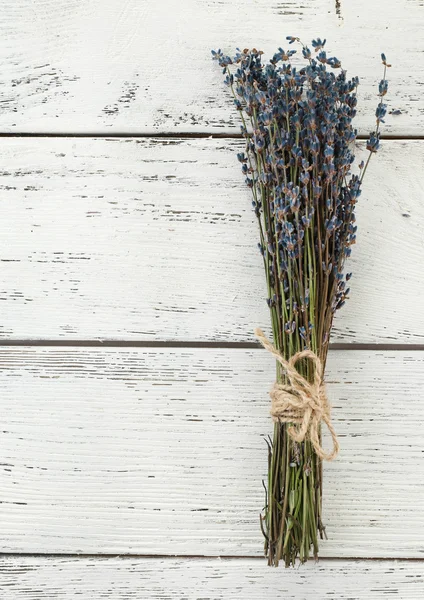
<point>162,451</point>
<point>55,578</point>
<point>155,239</point>
<point>131,66</point>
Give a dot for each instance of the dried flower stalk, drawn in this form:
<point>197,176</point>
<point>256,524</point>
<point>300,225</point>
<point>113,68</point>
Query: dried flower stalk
<point>297,124</point>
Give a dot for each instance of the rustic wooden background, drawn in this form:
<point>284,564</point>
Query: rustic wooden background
<point>134,399</point>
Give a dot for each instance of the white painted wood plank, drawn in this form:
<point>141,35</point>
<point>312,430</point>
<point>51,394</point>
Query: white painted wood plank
<point>155,239</point>
<point>56,578</point>
<point>109,65</point>
<point>154,451</point>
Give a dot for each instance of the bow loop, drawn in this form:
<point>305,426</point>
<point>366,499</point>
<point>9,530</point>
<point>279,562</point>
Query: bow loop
<point>302,403</point>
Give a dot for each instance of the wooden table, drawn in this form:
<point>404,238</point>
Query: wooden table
<point>133,395</point>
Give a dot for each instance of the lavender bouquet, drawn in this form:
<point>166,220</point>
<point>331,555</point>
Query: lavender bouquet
<point>297,124</point>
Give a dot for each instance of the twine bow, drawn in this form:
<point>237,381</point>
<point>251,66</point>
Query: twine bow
<point>300,401</point>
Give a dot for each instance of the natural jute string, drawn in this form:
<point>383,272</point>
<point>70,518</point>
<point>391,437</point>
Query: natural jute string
<point>300,401</point>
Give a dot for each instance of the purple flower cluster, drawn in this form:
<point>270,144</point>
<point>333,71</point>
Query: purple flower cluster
<point>297,123</point>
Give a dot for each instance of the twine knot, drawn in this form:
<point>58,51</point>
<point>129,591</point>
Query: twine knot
<point>300,401</point>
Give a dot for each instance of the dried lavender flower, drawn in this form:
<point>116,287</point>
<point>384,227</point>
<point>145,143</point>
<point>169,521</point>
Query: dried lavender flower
<point>297,122</point>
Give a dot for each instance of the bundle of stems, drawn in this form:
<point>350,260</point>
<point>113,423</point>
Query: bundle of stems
<point>297,124</point>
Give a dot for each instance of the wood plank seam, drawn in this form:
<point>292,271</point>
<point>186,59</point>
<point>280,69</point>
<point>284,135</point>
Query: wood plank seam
<point>183,135</point>
<point>190,344</point>
<point>200,557</point>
